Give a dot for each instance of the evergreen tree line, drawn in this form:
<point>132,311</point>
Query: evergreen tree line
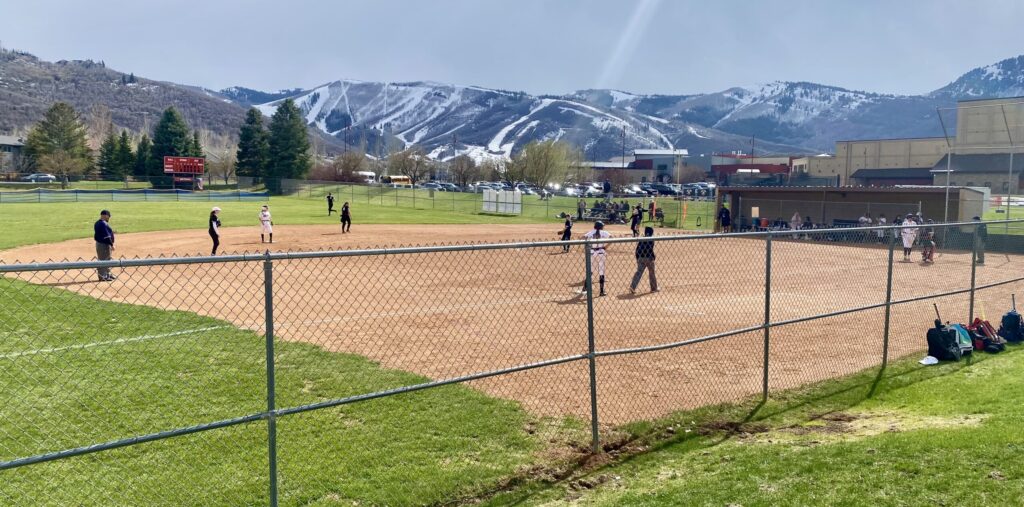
<point>275,152</point>
<point>58,144</point>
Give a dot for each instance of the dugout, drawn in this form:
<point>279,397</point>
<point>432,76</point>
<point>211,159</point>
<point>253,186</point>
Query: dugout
<point>839,206</point>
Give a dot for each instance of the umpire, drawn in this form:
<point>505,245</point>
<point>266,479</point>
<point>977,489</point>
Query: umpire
<point>104,237</point>
<point>644,261</point>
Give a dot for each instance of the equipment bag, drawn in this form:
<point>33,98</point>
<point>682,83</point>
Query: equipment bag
<point>943,343</point>
<point>1011,327</point>
<point>963,339</point>
<point>986,337</point>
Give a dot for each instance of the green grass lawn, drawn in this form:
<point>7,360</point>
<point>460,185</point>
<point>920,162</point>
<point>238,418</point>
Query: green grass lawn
<point>425,447</point>
<point>942,435</point>
<point>33,223</point>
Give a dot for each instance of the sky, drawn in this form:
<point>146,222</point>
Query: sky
<point>537,46</point>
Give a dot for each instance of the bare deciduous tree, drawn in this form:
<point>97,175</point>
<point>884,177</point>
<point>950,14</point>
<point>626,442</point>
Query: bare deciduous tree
<point>464,170</point>
<point>411,162</point>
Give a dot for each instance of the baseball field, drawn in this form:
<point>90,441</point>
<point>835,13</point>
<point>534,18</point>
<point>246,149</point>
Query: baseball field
<point>165,346</point>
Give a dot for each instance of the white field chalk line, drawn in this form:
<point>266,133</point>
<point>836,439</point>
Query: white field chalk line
<point>111,342</point>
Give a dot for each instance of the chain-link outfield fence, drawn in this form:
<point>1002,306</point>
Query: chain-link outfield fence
<point>426,375</point>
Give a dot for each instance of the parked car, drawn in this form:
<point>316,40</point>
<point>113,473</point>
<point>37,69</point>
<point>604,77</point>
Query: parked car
<point>450,187</point>
<point>432,186</point>
<point>632,191</point>
<point>40,178</point>
<point>664,189</point>
<point>568,191</point>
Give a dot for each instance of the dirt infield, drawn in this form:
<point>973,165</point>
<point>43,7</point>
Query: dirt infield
<point>448,314</point>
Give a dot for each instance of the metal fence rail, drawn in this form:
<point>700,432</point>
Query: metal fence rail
<point>736,316</point>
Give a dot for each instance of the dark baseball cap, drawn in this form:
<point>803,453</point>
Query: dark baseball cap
<point>105,212</point>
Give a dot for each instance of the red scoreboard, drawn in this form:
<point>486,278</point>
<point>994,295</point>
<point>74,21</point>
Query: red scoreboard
<point>185,165</point>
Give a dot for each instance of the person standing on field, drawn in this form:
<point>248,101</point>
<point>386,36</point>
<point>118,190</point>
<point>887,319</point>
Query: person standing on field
<point>909,235</point>
<point>645,261</point>
<point>634,222</point>
<point>330,203</point>
<point>597,254</point>
<point>725,219</point>
<point>346,218</point>
<point>215,228</point>
<point>567,232</point>
<point>104,237</point>
<point>980,238</point>
<point>266,224</point>
<point>581,208</point>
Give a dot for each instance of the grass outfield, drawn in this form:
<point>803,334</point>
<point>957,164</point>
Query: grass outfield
<point>943,435</point>
<point>424,447</point>
<point>33,223</point>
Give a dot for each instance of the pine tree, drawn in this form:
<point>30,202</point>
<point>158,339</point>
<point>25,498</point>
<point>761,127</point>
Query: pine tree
<point>197,146</point>
<point>108,154</point>
<point>143,156</point>
<point>124,159</point>
<point>58,143</point>
<point>289,146</point>
<point>253,146</point>
<point>170,139</point>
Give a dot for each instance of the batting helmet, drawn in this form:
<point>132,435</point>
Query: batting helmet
<point>599,225</point>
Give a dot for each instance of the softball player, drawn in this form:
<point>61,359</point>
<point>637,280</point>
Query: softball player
<point>597,254</point>
<point>266,225</point>
<point>215,228</point>
<point>909,235</point>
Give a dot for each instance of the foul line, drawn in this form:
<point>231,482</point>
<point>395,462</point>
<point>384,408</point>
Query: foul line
<point>111,342</point>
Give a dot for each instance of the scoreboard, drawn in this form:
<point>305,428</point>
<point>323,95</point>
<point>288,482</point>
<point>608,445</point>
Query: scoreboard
<point>185,165</point>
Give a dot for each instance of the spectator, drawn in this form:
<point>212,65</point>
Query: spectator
<point>980,239</point>
<point>794,223</point>
<point>645,261</point>
<point>104,237</point>
<point>607,187</point>
<point>581,208</point>
<point>808,223</point>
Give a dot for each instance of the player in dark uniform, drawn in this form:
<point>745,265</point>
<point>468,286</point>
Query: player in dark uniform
<point>346,219</point>
<point>928,243</point>
<point>215,228</point>
<point>567,231</point>
<point>634,222</point>
<point>725,219</point>
<point>330,203</point>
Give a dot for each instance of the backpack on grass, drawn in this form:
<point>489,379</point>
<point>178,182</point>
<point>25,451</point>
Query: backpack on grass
<point>985,337</point>
<point>943,343</point>
<point>1011,327</point>
<point>964,340</point>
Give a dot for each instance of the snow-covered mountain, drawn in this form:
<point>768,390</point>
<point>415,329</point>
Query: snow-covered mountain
<point>1002,79</point>
<point>783,116</point>
<point>448,120</point>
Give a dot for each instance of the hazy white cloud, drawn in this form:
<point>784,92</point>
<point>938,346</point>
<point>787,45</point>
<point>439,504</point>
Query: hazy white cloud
<point>646,46</point>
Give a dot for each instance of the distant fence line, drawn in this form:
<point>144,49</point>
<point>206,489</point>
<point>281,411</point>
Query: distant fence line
<point>41,195</point>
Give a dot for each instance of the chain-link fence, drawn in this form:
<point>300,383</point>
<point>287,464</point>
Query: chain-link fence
<point>426,375</point>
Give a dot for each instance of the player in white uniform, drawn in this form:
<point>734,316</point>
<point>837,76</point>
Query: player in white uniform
<point>266,225</point>
<point>597,254</point>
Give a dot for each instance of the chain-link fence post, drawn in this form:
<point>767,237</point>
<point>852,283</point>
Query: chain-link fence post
<point>974,270</point>
<point>588,285</point>
<point>767,311</point>
<point>888,297</point>
<point>268,291</point>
